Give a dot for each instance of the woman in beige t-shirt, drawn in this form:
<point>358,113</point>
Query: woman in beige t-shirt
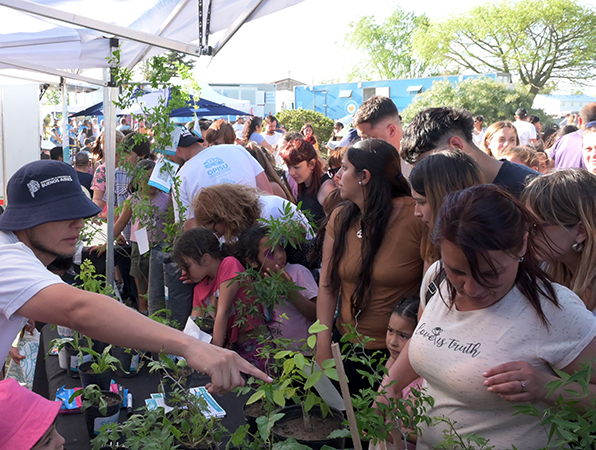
<point>371,251</point>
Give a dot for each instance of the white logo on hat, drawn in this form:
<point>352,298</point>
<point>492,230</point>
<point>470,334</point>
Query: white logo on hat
<point>33,187</point>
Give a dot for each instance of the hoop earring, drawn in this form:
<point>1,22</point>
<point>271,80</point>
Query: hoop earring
<point>578,247</point>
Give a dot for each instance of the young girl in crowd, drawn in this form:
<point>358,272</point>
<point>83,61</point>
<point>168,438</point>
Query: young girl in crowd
<point>28,420</point>
<point>300,308</point>
<point>152,218</point>
<point>204,261</point>
<point>402,323</point>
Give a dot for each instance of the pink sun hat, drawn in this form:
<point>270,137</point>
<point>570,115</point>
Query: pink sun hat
<point>25,415</point>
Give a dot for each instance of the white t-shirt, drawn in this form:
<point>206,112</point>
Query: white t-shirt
<point>525,131</point>
<point>272,207</point>
<point>23,276</point>
<point>451,349</point>
<point>216,165</point>
<point>272,140</point>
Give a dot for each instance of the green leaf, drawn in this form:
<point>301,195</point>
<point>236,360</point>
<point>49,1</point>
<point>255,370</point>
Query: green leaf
<point>310,401</point>
<point>299,360</point>
<point>332,374</point>
<point>311,342</point>
<point>337,434</point>
<point>328,364</point>
<point>313,379</point>
<point>255,397</point>
<point>317,327</point>
<point>278,398</point>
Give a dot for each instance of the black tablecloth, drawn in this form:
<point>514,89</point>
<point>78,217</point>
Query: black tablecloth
<point>49,378</point>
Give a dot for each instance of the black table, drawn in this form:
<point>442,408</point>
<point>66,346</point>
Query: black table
<point>49,377</point>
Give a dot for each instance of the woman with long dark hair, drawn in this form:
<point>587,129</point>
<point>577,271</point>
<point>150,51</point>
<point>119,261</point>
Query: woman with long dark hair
<point>371,251</point>
<point>494,327</point>
<point>252,133</point>
<point>306,168</point>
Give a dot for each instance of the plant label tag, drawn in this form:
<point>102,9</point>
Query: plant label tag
<point>175,136</point>
<point>100,421</point>
<point>142,240</point>
<point>162,174</point>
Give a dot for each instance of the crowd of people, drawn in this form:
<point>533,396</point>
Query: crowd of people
<point>465,252</point>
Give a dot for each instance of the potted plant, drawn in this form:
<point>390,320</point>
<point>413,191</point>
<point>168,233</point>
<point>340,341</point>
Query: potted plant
<point>99,369</point>
<point>99,407</point>
<point>308,419</point>
<point>175,380</point>
<point>129,361</point>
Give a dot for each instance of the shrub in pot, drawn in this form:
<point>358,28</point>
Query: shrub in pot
<point>99,369</point>
<point>129,361</point>
<point>99,407</point>
<point>294,385</point>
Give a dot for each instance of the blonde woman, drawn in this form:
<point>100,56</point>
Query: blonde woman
<point>564,203</point>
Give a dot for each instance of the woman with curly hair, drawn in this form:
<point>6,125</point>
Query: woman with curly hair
<point>229,209</point>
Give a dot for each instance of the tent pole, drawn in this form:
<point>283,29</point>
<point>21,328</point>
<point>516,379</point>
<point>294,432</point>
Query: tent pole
<point>65,124</point>
<point>110,161</point>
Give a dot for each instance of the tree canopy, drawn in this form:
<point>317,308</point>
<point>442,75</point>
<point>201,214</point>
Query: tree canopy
<point>167,65</point>
<point>481,96</point>
<point>388,47</point>
<point>534,41</point>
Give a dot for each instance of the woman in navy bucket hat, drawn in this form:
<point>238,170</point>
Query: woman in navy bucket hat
<point>45,212</point>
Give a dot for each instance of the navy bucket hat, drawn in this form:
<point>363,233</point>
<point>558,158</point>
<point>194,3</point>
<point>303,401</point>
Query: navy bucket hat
<point>42,192</point>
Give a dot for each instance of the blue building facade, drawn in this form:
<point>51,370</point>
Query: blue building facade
<point>343,99</point>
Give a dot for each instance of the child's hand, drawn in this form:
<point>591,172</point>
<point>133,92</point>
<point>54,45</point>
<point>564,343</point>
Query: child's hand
<point>184,278</point>
<point>15,355</point>
<point>98,248</point>
<point>278,270</point>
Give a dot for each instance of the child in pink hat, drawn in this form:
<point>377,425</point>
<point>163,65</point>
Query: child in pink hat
<point>28,420</point>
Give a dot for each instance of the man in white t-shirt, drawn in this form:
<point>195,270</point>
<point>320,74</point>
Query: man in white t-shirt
<point>270,135</point>
<point>214,165</point>
<point>525,130</point>
<point>42,221</point>
<point>239,125</point>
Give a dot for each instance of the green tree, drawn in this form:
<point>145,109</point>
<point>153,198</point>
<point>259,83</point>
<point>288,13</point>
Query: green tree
<point>388,47</point>
<point>167,66</point>
<point>52,97</point>
<point>534,41</point>
<point>294,119</point>
<point>481,96</point>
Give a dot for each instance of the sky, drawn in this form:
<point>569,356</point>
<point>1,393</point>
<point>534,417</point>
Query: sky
<point>304,41</point>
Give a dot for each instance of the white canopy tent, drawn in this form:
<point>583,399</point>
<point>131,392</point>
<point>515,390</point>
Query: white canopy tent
<point>65,39</point>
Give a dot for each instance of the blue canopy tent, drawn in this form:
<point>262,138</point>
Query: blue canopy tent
<point>204,107</point>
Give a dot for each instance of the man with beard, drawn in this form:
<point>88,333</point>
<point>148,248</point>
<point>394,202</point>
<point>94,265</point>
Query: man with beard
<point>45,213</point>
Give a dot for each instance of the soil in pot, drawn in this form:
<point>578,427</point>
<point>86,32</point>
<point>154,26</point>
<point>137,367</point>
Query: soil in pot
<point>88,376</point>
<point>168,386</point>
<point>129,360</point>
<point>292,426</point>
<point>95,420</point>
<point>251,412</point>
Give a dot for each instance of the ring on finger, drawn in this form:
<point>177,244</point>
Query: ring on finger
<point>523,386</point>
